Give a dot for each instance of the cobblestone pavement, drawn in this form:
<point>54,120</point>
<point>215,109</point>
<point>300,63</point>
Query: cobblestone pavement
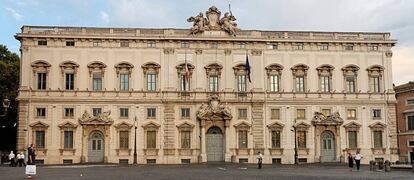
<point>202,171</point>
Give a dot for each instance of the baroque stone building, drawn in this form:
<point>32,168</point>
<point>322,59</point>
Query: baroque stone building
<point>187,93</point>
<point>405,120</point>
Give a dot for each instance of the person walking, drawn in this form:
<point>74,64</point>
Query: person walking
<point>11,158</point>
<point>350,162</point>
<point>259,160</point>
<point>31,157</point>
<point>20,159</point>
<point>358,158</point>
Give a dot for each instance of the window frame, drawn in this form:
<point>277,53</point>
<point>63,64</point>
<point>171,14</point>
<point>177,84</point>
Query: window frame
<point>151,113</point>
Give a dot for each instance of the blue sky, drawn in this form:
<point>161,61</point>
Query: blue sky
<point>395,16</point>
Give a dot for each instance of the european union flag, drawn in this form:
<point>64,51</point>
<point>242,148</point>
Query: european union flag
<point>248,68</point>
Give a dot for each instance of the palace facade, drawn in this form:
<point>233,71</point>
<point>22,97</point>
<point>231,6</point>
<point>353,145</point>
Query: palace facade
<point>89,94</point>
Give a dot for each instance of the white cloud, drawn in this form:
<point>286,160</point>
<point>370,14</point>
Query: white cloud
<point>104,17</point>
<point>14,14</point>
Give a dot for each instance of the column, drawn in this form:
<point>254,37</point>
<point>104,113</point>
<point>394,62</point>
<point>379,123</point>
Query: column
<point>227,155</point>
<point>203,142</point>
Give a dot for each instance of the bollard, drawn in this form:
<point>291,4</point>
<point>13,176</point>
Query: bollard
<point>380,165</point>
<point>374,166</point>
<point>387,165</point>
<point>412,166</point>
<point>371,165</point>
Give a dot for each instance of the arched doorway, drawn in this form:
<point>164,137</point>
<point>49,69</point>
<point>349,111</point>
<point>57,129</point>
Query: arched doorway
<point>96,148</point>
<point>327,147</point>
<point>214,143</point>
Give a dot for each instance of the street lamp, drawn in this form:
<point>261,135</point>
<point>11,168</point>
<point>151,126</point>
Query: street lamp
<point>6,105</point>
<point>135,140</point>
<point>296,144</point>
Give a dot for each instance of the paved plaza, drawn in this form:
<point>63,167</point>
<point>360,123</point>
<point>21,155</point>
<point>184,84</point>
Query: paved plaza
<point>202,171</point>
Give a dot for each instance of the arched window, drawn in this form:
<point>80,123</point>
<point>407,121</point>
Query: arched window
<point>274,74</point>
<point>41,72</point>
<point>325,77</point>
<point>69,70</point>
<point>213,72</point>
<point>185,73</point>
<point>375,78</point>
<point>123,72</point>
<point>299,72</point>
<point>151,71</point>
<point>96,72</point>
<point>240,74</point>
<point>350,78</point>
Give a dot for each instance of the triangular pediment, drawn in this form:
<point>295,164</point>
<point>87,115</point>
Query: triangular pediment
<point>378,125</point>
<point>151,125</point>
<point>123,125</point>
<point>68,125</point>
<point>302,126</point>
<point>39,124</point>
<point>276,125</point>
<point>242,126</point>
<point>185,125</point>
<point>352,125</point>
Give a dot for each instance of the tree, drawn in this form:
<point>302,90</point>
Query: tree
<point>9,85</point>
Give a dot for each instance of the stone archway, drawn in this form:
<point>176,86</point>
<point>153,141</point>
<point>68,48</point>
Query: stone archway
<point>214,143</point>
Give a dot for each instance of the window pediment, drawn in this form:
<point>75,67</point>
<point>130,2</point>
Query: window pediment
<point>276,126</point>
<point>39,125</point>
<point>300,70</point>
<point>375,70</point>
<point>40,65</point>
<point>352,126</point>
<point>377,126</point>
<point>302,126</point>
<point>239,69</point>
<point>151,126</point>
<point>67,125</point>
<point>96,66</point>
<point>181,68</point>
<point>350,70</point>
<point>185,126</point>
<point>124,66</point>
<point>274,69</point>
<point>325,69</point>
<point>213,69</point>
<point>69,66</point>
<point>242,126</point>
<point>123,126</point>
<point>150,66</point>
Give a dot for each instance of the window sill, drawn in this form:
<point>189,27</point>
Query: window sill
<point>151,152</point>
<point>276,151</point>
<point>67,151</point>
<point>123,152</point>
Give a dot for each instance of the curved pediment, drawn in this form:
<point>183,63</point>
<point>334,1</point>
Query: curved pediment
<point>102,119</point>
<point>321,119</point>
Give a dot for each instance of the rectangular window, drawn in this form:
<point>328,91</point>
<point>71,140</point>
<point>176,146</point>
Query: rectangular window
<point>213,83</point>
<point>325,84</point>
<point>352,139</point>
<point>301,139</point>
<point>97,81</point>
<point>185,112</point>
<point>410,102</point>
<point>376,114</point>
<point>123,112</point>
<point>185,45</point>
<point>151,112</point>
<point>323,47</point>
<point>41,112</point>
<point>349,47</point>
<point>40,139</point>
<point>42,42</point>
<point>351,113</point>
<point>151,82</point>
<point>123,139</point>
<point>41,81</point>
<point>375,84</point>
<point>274,83</point>
<point>124,44</point>
<point>275,114</point>
<point>242,113</point>
<point>184,84</point>
<point>410,123</point>
<point>69,81</point>
<point>96,111</point>
<point>70,43</point>
<point>273,46</point>
<point>300,113</point>
<point>96,44</point>
<point>185,139</point>
<point>214,45</point>
<point>275,139</point>
<point>411,143</point>
<point>124,82</point>
<point>242,139</point>
<point>242,45</point>
<point>300,83</point>
<point>151,139</point>
<point>326,112</point>
<point>298,46</point>
<point>241,83</point>
<point>151,44</point>
<point>378,139</point>
<point>373,48</point>
<point>350,84</point>
<point>69,112</point>
<point>68,140</point>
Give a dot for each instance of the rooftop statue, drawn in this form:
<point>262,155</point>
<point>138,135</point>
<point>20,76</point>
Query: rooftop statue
<point>213,22</point>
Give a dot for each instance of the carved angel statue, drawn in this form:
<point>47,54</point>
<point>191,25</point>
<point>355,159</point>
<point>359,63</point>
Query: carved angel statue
<point>86,115</point>
<point>319,116</point>
<point>228,24</point>
<point>336,116</point>
<point>199,23</point>
<point>105,115</point>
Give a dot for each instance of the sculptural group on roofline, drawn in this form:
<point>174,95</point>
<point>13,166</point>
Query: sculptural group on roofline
<point>212,21</point>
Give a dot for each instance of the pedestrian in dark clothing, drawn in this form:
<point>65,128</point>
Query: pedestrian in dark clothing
<point>350,162</point>
<point>12,156</point>
<point>31,160</point>
<point>259,160</point>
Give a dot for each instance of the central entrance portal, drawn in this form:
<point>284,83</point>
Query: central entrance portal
<point>96,147</point>
<point>327,147</point>
<point>214,143</point>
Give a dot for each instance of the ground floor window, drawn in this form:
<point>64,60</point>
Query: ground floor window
<point>123,139</point>
<point>151,139</point>
<point>301,139</point>
<point>275,139</point>
<point>185,139</point>
<point>242,139</point>
<point>40,139</point>
<point>68,140</point>
<point>352,139</point>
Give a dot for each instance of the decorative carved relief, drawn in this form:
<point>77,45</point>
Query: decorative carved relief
<point>214,110</point>
<point>332,119</point>
<point>388,54</point>
<point>300,69</point>
<point>168,51</point>
<point>213,69</point>
<point>102,119</point>
<point>239,69</point>
<point>96,66</point>
<point>151,126</point>
<point>40,66</point>
<point>375,70</point>
<point>378,126</point>
<point>181,68</point>
<point>274,69</point>
<point>151,66</point>
<point>124,66</point>
<point>227,51</point>
<point>302,126</point>
<point>350,70</point>
<point>198,51</point>
<point>325,69</point>
<point>213,22</point>
<point>69,66</point>
<point>123,126</point>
